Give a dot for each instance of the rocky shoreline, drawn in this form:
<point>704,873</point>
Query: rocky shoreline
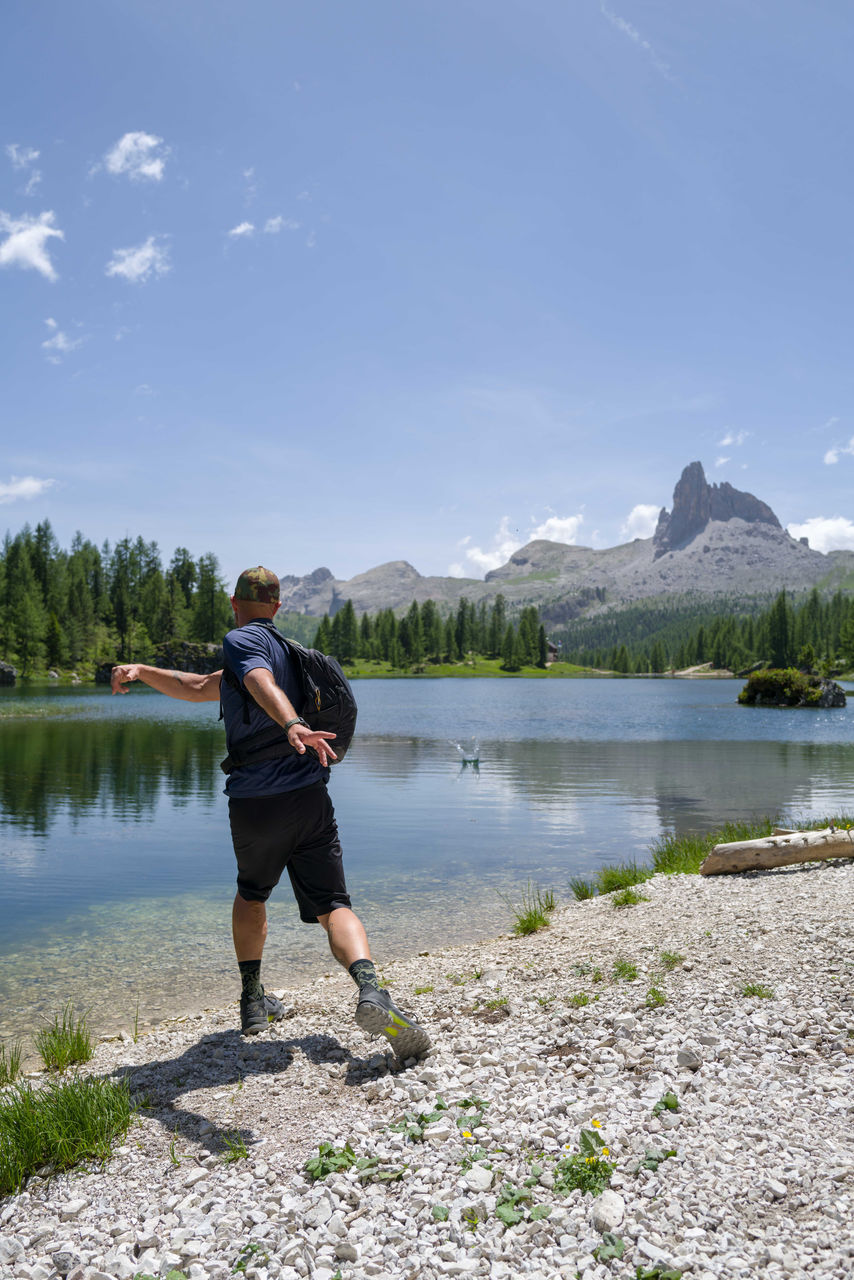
<point>535,1040</point>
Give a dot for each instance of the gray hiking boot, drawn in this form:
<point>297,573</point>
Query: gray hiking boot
<point>256,1015</point>
<point>378,1015</point>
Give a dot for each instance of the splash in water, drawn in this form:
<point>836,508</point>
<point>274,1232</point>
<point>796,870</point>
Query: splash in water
<point>469,749</point>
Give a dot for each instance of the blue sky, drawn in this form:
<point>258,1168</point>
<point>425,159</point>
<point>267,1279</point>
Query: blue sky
<point>343,282</point>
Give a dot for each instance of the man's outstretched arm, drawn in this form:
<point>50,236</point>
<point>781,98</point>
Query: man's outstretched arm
<point>185,685</point>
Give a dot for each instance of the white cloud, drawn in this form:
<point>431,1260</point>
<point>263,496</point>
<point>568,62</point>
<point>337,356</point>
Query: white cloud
<point>274,225</point>
<point>142,156</point>
<point>558,529</point>
<point>242,229</point>
<point>24,158</point>
<point>625,28</point>
<point>731,438</point>
<point>641,521</point>
<point>507,540</point>
<point>23,487</point>
<point>60,343</point>
<point>721,462</point>
<point>833,455</point>
<point>311,240</point>
<point>21,157</point>
<point>27,238</point>
<point>140,262</point>
<point>826,533</point>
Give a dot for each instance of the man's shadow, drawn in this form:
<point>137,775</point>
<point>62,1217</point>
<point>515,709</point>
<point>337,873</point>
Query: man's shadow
<point>226,1058</point>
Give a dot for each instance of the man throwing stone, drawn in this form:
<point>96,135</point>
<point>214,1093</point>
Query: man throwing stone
<point>280,812</point>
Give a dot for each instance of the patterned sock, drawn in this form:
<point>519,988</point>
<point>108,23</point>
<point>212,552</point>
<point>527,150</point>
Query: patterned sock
<point>250,972</point>
<point>364,974</point>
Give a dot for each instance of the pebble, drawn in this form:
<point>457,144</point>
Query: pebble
<point>762,1178</point>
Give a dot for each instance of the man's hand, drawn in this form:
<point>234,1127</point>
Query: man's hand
<point>123,675</point>
<point>301,736</point>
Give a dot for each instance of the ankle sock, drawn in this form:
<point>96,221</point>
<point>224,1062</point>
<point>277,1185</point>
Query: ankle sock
<point>250,972</point>
<point>364,974</point>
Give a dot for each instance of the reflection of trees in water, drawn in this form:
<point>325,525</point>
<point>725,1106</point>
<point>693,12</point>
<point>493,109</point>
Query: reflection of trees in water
<point>85,765</point>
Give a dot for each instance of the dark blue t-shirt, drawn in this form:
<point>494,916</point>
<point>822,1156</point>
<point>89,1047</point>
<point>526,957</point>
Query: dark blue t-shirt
<point>246,648</point>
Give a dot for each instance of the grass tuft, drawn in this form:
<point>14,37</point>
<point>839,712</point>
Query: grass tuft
<point>670,959</point>
<point>582,888</point>
<point>758,989</point>
<point>655,998</point>
<point>579,1000</point>
<point>10,1062</point>
<point>534,911</point>
<point>626,970</point>
<point>622,876</point>
<point>66,1042</point>
<point>628,898</point>
<point>58,1126</point>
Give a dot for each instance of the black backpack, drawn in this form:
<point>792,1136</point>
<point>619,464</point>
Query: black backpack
<point>327,703</point>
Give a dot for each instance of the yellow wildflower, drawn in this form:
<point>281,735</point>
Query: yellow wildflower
<point>605,1151</point>
<point>466,1133</point>
<point>597,1124</point>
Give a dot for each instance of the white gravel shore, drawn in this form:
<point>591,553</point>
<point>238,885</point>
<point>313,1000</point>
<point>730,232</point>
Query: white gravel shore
<point>762,1182</point>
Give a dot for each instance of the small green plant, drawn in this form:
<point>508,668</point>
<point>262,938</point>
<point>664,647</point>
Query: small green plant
<point>471,1220</point>
<point>579,1000</point>
<point>628,898</point>
<point>657,1273</point>
<point>10,1062</point>
<point>170,1275</point>
<point>136,1022</point>
<point>581,968</point>
<point>667,1102</point>
<point>670,959</point>
<point>497,1002</point>
<point>423,991</point>
<point>587,1169</point>
<point>597,976</point>
<point>58,1126</point>
<point>329,1159</point>
<point>626,970</point>
<point>173,1154</point>
<point>65,1042</point>
<point>655,998</point>
<point>622,876</point>
<point>251,1254</point>
<point>440,1212</point>
<point>653,1158</point>
<point>582,888</point>
<point>235,1148</point>
<point>545,1001</point>
<point>533,912</point>
<point>758,989</point>
<point>507,1204</point>
<point>413,1126</point>
<point>611,1247</point>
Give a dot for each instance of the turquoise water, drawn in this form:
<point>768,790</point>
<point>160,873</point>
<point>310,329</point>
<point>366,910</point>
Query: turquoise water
<point>116,871</point>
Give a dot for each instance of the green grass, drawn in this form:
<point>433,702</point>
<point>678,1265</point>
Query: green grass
<point>582,888</point>
<point>670,959</point>
<point>10,1062</point>
<point>59,1126</point>
<point>423,991</point>
<point>758,989</point>
<point>655,998</point>
<point>579,1000</point>
<point>65,1042</point>
<point>376,669</point>
<point>621,876</point>
<point>533,912</point>
<point>628,898</point>
<point>235,1148</point>
<point>626,970</point>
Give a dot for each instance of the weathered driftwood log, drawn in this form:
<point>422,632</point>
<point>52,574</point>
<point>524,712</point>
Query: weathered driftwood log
<point>780,850</point>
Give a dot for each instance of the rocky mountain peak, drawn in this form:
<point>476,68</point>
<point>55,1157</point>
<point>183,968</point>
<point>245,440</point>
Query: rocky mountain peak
<point>696,503</point>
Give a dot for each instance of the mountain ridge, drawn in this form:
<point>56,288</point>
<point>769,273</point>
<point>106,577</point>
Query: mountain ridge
<point>715,541</point>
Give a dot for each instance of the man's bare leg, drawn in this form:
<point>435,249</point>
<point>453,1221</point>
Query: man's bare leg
<point>248,928</point>
<point>348,941</point>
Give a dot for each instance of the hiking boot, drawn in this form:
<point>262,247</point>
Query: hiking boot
<point>256,1015</point>
<point>377,1014</point>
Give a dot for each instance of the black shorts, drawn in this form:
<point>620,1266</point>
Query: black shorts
<point>297,830</point>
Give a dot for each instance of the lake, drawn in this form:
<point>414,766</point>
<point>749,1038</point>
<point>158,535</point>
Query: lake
<point>116,869</point>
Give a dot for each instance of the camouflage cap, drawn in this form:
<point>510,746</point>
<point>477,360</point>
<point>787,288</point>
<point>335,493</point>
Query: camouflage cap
<point>258,584</point>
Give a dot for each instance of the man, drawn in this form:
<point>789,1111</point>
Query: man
<point>280,813</point>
